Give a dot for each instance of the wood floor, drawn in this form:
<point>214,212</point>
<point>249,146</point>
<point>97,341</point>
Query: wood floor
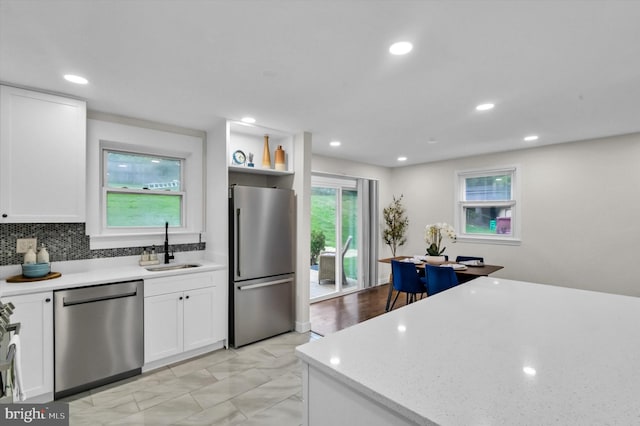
<point>335,314</point>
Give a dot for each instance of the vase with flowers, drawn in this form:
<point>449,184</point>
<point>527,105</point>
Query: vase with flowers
<point>433,235</point>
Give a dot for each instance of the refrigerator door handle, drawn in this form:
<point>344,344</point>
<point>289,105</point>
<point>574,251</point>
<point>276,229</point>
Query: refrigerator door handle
<point>267,284</point>
<point>238,242</point>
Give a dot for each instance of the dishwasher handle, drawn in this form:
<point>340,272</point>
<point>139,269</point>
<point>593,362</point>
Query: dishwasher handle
<point>99,293</point>
<point>97,299</point>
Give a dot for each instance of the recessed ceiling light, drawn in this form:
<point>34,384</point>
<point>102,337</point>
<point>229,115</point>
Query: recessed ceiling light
<point>248,120</point>
<point>76,79</point>
<point>400,48</point>
<point>432,141</point>
<point>402,158</point>
<point>484,107</point>
<point>335,143</point>
<point>531,138</point>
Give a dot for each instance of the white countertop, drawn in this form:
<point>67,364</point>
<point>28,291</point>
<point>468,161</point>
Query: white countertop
<point>92,272</point>
<point>467,356</point>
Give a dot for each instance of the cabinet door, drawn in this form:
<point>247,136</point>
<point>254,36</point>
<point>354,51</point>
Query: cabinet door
<point>198,318</point>
<point>34,312</point>
<point>163,323</point>
<point>42,157</point>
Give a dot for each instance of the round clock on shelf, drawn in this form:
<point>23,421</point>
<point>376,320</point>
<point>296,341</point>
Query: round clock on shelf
<point>239,158</point>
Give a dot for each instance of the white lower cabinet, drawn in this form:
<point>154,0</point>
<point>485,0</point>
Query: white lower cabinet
<point>163,323</point>
<point>183,313</point>
<point>34,312</point>
<point>199,306</point>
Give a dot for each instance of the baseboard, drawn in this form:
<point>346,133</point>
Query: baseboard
<point>153,365</point>
<point>303,327</point>
<point>38,399</point>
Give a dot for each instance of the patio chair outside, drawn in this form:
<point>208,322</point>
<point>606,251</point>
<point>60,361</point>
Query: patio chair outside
<point>327,265</point>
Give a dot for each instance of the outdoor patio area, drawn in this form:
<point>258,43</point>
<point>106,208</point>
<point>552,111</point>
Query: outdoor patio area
<point>329,286</point>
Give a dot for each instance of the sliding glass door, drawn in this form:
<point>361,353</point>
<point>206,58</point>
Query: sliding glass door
<point>334,237</point>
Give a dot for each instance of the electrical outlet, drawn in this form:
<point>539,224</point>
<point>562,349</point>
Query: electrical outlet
<point>23,244</point>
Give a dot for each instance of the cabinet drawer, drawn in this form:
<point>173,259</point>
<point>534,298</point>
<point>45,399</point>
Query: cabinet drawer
<point>175,283</point>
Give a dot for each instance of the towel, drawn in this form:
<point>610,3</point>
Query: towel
<point>18,392</point>
<point>2,386</point>
<point>455,266</point>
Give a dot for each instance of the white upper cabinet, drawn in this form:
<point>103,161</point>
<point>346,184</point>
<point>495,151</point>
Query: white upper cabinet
<point>42,157</point>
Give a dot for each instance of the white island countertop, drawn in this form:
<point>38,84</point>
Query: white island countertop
<point>495,352</point>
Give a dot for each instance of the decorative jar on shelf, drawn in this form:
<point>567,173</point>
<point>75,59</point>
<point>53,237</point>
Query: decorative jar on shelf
<point>280,161</point>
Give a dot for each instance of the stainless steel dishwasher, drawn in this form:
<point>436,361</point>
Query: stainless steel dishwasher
<point>98,335</point>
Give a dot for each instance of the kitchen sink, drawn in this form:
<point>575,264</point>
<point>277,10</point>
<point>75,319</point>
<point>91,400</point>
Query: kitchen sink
<point>172,267</point>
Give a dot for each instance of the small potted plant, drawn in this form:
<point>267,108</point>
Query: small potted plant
<point>396,224</point>
<point>317,245</point>
<point>433,235</point>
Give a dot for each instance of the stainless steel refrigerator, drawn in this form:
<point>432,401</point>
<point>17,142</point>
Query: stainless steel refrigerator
<point>262,263</point>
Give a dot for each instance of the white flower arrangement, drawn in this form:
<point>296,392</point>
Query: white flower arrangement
<point>433,237</point>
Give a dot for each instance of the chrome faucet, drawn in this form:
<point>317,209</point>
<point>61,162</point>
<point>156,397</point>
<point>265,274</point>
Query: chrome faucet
<point>167,256</point>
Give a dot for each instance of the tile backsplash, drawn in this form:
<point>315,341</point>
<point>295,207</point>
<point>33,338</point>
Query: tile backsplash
<point>64,241</point>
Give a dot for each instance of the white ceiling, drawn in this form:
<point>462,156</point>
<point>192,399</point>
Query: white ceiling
<point>564,70</point>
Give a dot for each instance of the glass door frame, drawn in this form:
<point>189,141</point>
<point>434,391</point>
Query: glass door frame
<point>339,184</point>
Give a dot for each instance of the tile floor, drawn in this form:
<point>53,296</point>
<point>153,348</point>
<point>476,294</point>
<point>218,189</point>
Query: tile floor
<point>259,384</point>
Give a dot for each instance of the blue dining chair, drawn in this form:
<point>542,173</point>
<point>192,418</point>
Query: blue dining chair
<point>439,278</point>
<point>406,280</point>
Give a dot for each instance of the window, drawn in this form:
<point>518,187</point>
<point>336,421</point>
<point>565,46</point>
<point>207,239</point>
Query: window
<point>142,191</point>
<point>487,205</point>
<point>139,176</point>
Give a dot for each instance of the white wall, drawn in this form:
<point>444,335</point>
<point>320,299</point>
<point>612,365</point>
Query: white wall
<point>320,164</point>
<point>580,212</point>
<point>302,186</point>
<point>217,193</point>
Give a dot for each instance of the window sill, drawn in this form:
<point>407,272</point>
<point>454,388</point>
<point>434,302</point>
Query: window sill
<point>486,239</point>
<point>97,242</point>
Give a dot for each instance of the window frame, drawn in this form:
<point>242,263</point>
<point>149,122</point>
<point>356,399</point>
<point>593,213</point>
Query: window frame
<point>105,190</point>
<point>514,203</point>
<point>149,138</point>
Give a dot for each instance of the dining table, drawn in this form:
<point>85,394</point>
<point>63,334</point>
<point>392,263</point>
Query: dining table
<point>465,274</point>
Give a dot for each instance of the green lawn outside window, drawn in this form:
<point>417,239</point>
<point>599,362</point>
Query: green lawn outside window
<point>143,210</point>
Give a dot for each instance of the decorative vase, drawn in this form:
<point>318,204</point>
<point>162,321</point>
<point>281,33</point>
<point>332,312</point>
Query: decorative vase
<point>30,256</point>
<point>435,260</point>
<point>279,162</point>
<point>266,154</point>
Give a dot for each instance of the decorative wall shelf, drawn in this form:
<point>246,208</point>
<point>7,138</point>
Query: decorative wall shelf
<point>258,171</point>
<point>250,140</point>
